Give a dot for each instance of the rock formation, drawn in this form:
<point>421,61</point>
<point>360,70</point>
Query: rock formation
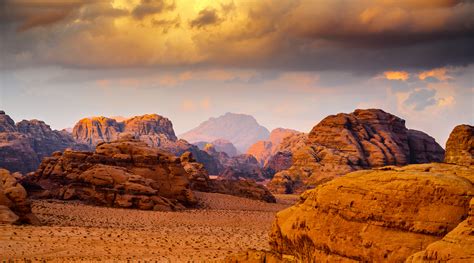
<point>125,173</point>
<point>240,129</point>
<point>371,216</point>
<point>14,206</point>
<point>231,185</point>
<point>456,246</point>
<point>460,146</point>
<point>282,156</point>
<point>347,142</point>
<point>155,130</point>
<point>220,145</point>
<point>263,150</point>
<point>25,144</point>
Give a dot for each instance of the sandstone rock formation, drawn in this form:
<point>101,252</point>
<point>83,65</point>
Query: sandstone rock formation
<point>155,130</point>
<point>14,205</point>
<point>23,145</point>
<point>242,166</point>
<point>460,146</point>
<point>263,150</point>
<point>240,129</point>
<point>124,173</point>
<point>347,142</point>
<point>231,184</point>
<point>220,145</point>
<point>456,246</point>
<point>372,216</point>
<point>282,156</point>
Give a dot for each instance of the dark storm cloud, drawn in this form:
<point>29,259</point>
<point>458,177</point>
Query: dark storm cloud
<point>365,37</point>
<point>205,18</point>
<point>150,7</point>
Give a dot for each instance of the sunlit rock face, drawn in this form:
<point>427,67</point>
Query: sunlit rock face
<point>371,216</point>
<point>123,173</point>
<point>240,129</point>
<point>153,129</point>
<point>460,146</point>
<point>343,143</point>
<point>23,145</point>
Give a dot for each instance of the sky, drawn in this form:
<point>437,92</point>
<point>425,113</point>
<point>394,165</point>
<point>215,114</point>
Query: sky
<point>287,63</point>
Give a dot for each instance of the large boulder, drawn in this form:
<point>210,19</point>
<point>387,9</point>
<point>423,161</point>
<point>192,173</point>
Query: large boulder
<point>348,142</point>
<point>25,144</point>
<point>460,146</point>
<point>15,207</point>
<point>123,173</point>
<point>372,215</point>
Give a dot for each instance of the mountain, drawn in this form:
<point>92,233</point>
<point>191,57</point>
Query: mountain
<point>363,139</point>
<point>157,131</point>
<point>240,129</point>
<point>23,145</point>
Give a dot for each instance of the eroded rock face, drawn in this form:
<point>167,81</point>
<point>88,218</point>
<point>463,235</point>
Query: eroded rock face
<point>14,206</point>
<point>124,173</point>
<point>264,150</point>
<point>23,145</point>
<point>220,145</point>
<point>231,185</point>
<point>153,129</point>
<point>371,215</point>
<point>360,140</point>
<point>460,146</point>
<point>242,166</point>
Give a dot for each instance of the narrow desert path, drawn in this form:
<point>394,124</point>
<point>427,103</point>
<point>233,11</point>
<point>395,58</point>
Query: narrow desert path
<point>76,232</point>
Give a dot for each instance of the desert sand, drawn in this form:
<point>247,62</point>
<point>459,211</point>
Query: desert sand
<point>72,231</point>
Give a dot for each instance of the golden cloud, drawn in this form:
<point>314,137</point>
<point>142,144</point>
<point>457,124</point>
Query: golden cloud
<point>396,75</point>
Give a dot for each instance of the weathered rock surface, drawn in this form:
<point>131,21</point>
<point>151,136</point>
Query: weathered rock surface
<point>14,206</point>
<point>153,129</point>
<point>124,173</point>
<point>347,142</point>
<point>240,129</point>
<point>25,144</point>
<point>456,246</point>
<point>220,145</point>
<point>372,215</point>
<point>282,156</point>
<point>460,146</point>
<point>242,166</point>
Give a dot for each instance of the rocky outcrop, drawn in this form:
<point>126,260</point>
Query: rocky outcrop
<point>125,173</point>
<point>240,129</point>
<point>264,150</point>
<point>220,145</point>
<point>242,166</point>
<point>347,142</point>
<point>231,185</point>
<point>282,157</point>
<point>153,129</point>
<point>371,216</point>
<point>15,208</point>
<point>25,144</point>
<point>460,146</point>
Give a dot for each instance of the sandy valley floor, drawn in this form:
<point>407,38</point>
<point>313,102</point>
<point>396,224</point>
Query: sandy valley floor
<point>76,232</point>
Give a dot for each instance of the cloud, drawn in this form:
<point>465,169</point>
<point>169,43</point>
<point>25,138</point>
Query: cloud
<point>151,7</point>
<point>421,98</point>
<point>396,75</point>
<point>439,74</point>
<point>206,17</point>
<point>354,36</point>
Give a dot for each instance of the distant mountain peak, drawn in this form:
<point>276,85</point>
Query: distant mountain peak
<point>242,130</point>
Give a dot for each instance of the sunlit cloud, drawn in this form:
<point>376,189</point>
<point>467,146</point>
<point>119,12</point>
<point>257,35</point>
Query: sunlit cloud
<point>438,73</point>
<point>396,75</point>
